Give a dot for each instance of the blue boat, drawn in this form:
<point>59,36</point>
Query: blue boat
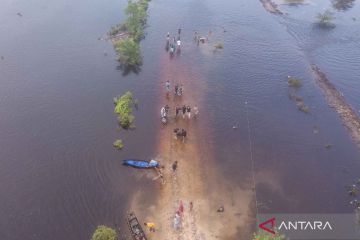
<point>140,163</point>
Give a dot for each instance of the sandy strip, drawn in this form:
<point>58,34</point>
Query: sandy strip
<point>336,100</point>
<point>271,7</point>
<point>196,179</point>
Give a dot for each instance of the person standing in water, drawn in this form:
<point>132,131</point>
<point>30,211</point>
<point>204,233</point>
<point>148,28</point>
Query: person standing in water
<point>188,110</point>
<point>167,86</point>
<point>179,31</point>
<point>196,111</point>
<point>183,111</point>
<point>176,89</point>
<point>177,110</point>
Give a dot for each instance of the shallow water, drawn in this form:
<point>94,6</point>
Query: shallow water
<point>60,176</point>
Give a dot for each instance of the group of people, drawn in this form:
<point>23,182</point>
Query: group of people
<point>186,110</point>
<point>175,43</point>
<point>180,133</point>
<point>178,90</point>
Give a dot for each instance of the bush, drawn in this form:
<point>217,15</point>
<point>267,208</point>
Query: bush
<point>294,82</point>
<point>325,19</point>
<point>219,46</point>
<point>104,233</point>
<point>128,52</point>
<point>123,107</point>
<point>118,144</point>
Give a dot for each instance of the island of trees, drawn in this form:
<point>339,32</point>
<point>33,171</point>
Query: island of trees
<point>126,37</point>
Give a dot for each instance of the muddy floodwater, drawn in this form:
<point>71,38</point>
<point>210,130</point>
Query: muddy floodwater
<point>60,177</point>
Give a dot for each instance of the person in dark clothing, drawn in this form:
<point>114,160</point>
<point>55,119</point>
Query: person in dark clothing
<point>174,166</point>
<point>176,89</point>
<point>184,111</point>
<point>177,110</point>
<point>176,132</point>
<point>179,31</point>
<point>188,110</point>
<point>183,134</point>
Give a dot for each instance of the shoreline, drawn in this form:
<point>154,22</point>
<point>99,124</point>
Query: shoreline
<point>336,100</point>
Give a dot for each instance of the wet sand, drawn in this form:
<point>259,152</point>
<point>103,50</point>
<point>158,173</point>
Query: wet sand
<point>196,179</point>
<point>336,100</point>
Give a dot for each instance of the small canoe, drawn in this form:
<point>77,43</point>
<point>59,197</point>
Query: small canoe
<point>140,163</point>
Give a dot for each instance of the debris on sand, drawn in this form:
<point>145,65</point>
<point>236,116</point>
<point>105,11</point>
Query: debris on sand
<point>221,209</point>
<point>271,7</point>
<point>336,100</point>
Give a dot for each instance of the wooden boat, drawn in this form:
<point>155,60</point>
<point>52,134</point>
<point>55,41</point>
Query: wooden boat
<point>135,227</point>
<point>140,163</point>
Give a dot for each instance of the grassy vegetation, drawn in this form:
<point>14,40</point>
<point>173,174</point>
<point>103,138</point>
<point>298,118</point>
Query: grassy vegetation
<point>265,236</point>
<point>219,46</point>
<point>294,82</point>
<point>104,233</point>
<point>118,144</point>
<point>123,107</point>
<point>299,103</point>
<point>325,19</point>
<point>128,48</point>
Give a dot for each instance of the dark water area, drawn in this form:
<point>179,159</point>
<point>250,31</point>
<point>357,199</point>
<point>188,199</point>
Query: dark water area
<point>294,171</point>
<point>60,176</point>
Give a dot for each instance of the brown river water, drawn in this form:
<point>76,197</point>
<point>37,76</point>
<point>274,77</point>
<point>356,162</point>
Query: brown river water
<point>59,174</point>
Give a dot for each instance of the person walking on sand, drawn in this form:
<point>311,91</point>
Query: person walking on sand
<point>181,90</point>
<point>174,166</point>
<point>183,111</point>
<point>188,110</point>
<point>176,89</point>
<point>151,226</point>
<point>167,86</point>
<point>176,133</point>
<point>183,134</point>
<point>191,206</point>
<point>177,110</point>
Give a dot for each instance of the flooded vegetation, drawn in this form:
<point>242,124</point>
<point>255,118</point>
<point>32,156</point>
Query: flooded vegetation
<point>126,36</point>
<point>337,101</point>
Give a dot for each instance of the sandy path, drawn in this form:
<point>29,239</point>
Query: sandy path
<point>336,100</point>
<point>196,179</point>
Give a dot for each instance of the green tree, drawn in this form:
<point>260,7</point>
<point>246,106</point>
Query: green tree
<point>136,18</point>
<point>104,233</point>
<point>129,52</point>
<point>123,107</point>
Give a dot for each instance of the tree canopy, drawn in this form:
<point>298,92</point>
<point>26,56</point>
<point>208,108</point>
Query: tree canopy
<point>104,233</point>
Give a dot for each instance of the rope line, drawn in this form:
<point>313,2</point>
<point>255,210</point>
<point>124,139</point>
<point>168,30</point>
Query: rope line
<point>252,160</point>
